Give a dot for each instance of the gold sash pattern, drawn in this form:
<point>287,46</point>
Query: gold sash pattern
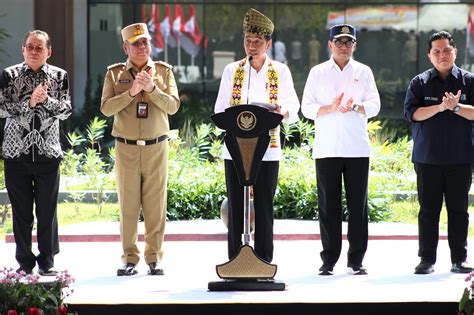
<point>272,88</point>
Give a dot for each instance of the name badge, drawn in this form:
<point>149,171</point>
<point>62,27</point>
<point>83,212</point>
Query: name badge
<point>124,81</point>
<point>142,110</point>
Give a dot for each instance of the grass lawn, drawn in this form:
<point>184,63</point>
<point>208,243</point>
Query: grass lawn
<point>70,213</point>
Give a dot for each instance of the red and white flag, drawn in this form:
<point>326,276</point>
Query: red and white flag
<point>166,27</point>
<point>178,23</point>
<point>191,38</point>
<point>155,30</point>
<point>470,33</point>
<point>144,18</point>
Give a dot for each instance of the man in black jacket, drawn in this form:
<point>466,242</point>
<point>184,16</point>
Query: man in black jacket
<point>439,103</point>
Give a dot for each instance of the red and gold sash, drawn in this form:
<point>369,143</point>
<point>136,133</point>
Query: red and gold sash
<point>272,87</point>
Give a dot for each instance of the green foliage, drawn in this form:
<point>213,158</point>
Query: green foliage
<point>90,166</point>
<point>95,132</point>
<point>195,190</point>
<point>25,294</point>
<point>196,183</point>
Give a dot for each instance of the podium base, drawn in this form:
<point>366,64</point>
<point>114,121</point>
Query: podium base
<point>246,265</point>
<point>246,285</point>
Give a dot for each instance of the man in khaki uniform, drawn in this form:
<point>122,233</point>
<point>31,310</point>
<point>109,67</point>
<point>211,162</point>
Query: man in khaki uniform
<point>140,94</point>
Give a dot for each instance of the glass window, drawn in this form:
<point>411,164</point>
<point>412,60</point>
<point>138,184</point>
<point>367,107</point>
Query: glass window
<point>391,39</point>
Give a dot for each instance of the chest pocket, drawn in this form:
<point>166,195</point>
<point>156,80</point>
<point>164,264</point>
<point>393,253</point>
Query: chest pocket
<point>122,84</point>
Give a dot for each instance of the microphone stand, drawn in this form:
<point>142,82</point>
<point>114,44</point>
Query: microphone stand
<point>250,71</point>
<point>246,236</point>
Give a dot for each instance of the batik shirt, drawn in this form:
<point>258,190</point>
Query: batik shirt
<point>32,134</point>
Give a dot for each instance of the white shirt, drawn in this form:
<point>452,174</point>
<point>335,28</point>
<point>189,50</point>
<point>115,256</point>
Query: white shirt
<point>340,134</point>
<point>258,92</point>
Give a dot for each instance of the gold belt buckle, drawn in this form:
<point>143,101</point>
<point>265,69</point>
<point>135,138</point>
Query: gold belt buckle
<point>141,142</point>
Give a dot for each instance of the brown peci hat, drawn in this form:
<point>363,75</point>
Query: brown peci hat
<point>135,31</point>
<point>257,23</point>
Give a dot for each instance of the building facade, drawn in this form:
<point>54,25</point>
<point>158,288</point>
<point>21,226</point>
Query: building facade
<point>202,36</point>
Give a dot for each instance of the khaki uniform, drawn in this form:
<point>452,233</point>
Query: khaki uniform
<point>141,171</point>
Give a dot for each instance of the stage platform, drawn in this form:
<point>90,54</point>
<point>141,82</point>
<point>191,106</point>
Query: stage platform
<point>389,288</point>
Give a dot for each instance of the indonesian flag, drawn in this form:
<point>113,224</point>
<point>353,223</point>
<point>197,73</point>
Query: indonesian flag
<point>191,38</point>
<point>144,19</point>
<point>155,30</point>
<point>165,26</point>
<point>470,32</point>
<point>178,23</point>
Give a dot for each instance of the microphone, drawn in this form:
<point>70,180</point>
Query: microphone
<point>250,70</point>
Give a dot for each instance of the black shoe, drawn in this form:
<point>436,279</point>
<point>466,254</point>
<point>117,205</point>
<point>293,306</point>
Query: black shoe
<point>424,268</point>
<point>127,269</point>
<point>52,271</point>
<point>22,270</point>
<point>357,270</point>
<point>326,270</point>
<point>461,267</point>
<point>155,269</point>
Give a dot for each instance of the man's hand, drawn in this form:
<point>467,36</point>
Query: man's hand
<point>336,103</point>
<point>39,95</point>
<point>143,82</point>
<point>450,100</point>
<point>146,81</point>
<point>282,111</point>
<point>347,107</point>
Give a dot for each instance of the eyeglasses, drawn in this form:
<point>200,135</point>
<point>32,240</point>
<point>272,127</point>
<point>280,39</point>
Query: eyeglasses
<point>139,43</point>
<point>38,49</point>
<point>444,51</point>
<point>339,43</point>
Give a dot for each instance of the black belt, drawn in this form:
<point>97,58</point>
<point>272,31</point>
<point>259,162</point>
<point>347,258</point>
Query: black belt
<point>142,142</point>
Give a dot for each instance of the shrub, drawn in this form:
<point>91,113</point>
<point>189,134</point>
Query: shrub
<point>196,183</point>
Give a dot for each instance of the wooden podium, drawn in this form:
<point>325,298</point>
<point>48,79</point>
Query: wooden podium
<point>247,139</point>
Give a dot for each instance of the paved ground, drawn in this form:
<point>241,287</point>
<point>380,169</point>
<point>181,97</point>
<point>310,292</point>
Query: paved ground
<point>190,265</point>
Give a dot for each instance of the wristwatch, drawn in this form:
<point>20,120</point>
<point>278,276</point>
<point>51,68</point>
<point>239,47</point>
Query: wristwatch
<point>355,107</point>
<point>456,108</point>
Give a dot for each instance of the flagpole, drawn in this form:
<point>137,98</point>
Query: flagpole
<point>179,51</point>
<point>166,49</point>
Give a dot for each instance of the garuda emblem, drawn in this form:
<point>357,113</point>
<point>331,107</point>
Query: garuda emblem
<point>246,121</point>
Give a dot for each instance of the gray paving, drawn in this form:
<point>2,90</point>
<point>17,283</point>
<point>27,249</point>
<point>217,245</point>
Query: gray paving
<point>190,265</point>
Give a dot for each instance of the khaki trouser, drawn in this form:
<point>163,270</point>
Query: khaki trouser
<point>142,173</point>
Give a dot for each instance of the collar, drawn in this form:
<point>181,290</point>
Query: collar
<point>129,65</point>
<point>26,68</point>
<point>264,66</point>
<point>333,63</point>
<point>434,73</point>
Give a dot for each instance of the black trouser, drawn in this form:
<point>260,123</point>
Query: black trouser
<point>263,193</point>
<point>329,174</point>
<point>39,183</point>
<point>433,182</point>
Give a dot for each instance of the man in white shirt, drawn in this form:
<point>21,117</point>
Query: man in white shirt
<point>270,82</point>
<point>340,95</point>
